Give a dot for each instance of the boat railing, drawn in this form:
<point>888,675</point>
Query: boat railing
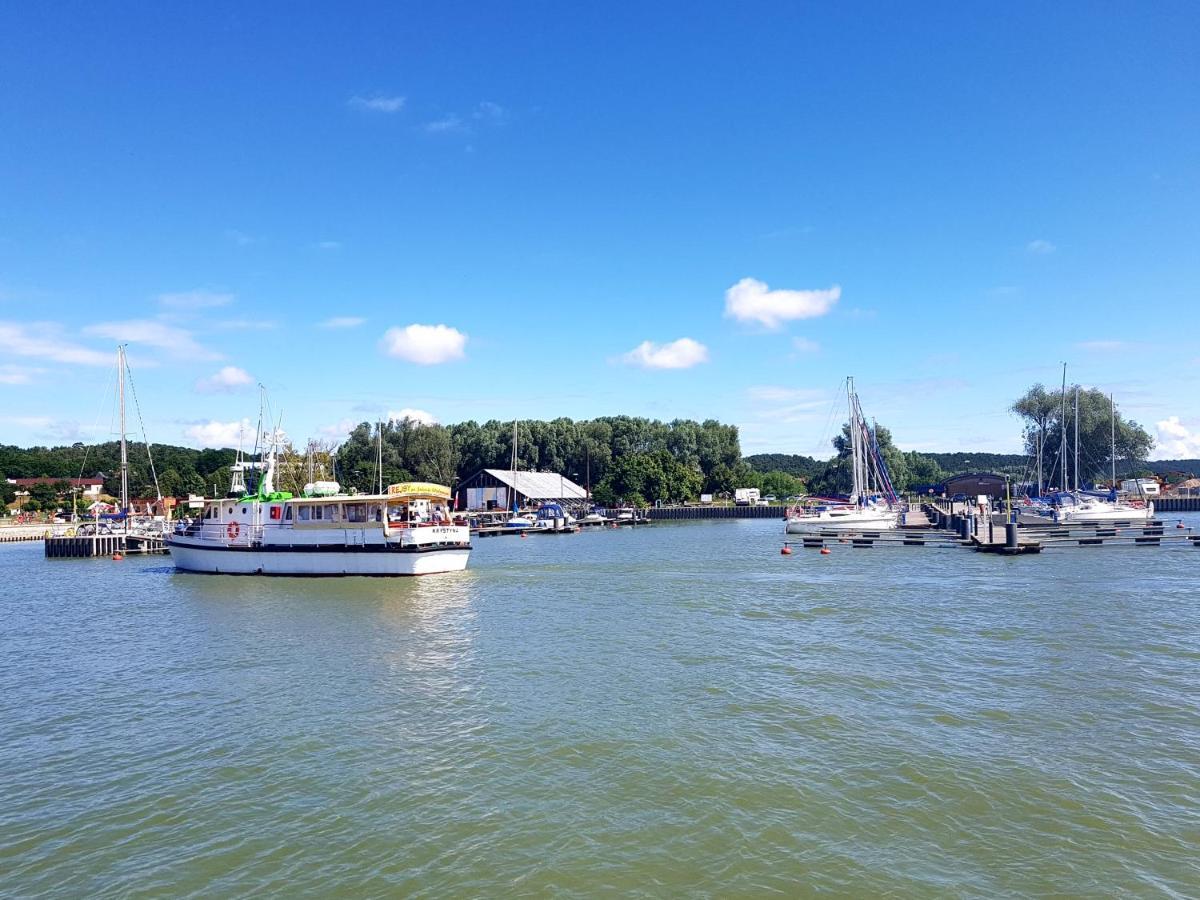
<point>224,533</point>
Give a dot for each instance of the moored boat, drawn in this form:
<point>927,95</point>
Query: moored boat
<point>406,530</point>
<point>872,504</point>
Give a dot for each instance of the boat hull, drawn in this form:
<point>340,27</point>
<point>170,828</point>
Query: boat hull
<point>232,560</point>
<point>855,521</point>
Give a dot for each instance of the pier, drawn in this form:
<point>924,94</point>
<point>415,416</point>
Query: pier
<point>101,545</point>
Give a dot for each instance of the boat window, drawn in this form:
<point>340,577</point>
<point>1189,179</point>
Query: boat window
<point>376,512</point>
<point>356,512</point>
<point>305,513</point>
<point>243,510</point>
<point>287,514</point>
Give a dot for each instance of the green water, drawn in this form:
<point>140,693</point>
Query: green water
<point>676,710</point>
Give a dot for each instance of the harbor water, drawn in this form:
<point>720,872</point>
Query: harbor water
<point>676,709</point>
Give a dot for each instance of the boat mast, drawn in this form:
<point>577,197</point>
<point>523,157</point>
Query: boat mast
<point>379,460</point>
<point>855,442</point>
<point>515,508</point>
<point>124,448</point>
<point>1062,452</point>
<point>1076,438</point>
<point>1113,423</point>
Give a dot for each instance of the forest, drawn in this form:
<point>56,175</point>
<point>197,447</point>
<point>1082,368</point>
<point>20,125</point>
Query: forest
<point>627,458</point>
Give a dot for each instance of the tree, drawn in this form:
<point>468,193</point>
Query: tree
<point>43,494</point>
<point>1044,420</point>
<point>8,493</point>
<point>781,484</point>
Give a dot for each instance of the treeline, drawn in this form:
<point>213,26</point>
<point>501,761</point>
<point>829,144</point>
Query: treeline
<point>181,470</point>
<point>622,457</point>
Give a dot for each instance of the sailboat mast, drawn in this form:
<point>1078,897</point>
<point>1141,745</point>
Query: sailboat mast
<point>379,459</point>
<point>1062,452</point>
<point>1076,437</point>
<point>1113,424</point>
<point>124,448</point>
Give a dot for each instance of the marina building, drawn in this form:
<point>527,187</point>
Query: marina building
<point>496,489</point>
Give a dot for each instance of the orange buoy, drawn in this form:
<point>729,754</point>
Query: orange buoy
<point>1180,525</point>
<point>786,551</point>
<point>825,551</point>
<point>117,557</point>
<point>523,534</point>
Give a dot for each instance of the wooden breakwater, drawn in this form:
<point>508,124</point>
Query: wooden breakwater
<point>662,513</point>
<point>1176,504</point>
<point>101,545</point>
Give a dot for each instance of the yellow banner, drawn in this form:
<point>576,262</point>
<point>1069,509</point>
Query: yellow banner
<point>419,489</point>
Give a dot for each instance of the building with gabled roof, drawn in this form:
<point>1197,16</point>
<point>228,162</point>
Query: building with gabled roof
<point>496,488</point>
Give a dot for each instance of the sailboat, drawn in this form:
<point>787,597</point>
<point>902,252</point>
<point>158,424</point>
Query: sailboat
<point>590,517</point>
<point>1074,505</point>
<point>1085,507</point>
<point>517,520</point>
<point>872,504</point>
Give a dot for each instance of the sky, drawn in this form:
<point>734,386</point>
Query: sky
<point>468,211</point>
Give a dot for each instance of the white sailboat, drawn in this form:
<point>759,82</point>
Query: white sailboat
<point>1073,505</point>
<point>872,504</point>
<point>517,520</point>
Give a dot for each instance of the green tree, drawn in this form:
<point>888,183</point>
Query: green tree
<point>1044,419</point>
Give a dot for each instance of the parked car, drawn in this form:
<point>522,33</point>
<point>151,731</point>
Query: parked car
<point>959,498</point>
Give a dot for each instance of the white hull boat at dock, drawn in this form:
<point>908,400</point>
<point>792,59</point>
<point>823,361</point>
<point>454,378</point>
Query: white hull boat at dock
<point>867,518</point>
<point>405,531</point>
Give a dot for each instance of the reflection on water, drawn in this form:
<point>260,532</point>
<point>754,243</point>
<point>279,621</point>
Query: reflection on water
<point>662,711</point>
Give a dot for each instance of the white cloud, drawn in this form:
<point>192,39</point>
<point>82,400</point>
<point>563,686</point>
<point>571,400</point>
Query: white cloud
<point>804,345</point>
<point>681,354</point>
<point>339,431</point>
<point>343,322</point>
<point>227,380</point>
<point>44,341</point>
<point>219,434</point>
<point>378,103</point>
<point>1040,247</point>
<point>1103,345</point>
<point>328,245</point>
<point>153,333</point>
<point>248,324</point>
<point>1176,440</point>
<point>425,345</point>
<point>19,374</point>
<point>415,415</point>
<point>489,111</point>
<point>27,421</point>
<point>445,125</point>
<point>750,300</point>
<point>198,299</point>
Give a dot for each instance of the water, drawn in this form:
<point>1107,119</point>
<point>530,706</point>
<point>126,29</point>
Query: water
<point>678,709</point>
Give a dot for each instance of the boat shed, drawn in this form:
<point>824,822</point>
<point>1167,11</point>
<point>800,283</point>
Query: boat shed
<point>975,484</point>
<point>495,489</point>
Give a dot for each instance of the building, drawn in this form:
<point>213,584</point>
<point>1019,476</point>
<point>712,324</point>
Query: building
<point>89,488</point>
<point>976,484</point>
<point>496,488</point>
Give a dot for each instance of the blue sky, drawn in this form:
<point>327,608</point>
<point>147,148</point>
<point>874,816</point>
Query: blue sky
<point>680,211</point>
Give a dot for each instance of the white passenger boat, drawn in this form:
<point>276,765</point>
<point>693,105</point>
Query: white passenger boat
<point>405,531</point>
<point>872,504</point>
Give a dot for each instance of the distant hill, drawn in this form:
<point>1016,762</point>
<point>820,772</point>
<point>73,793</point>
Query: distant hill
<point>1187,467</point>
<point>1015,464</point>
<point>793,464</point>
